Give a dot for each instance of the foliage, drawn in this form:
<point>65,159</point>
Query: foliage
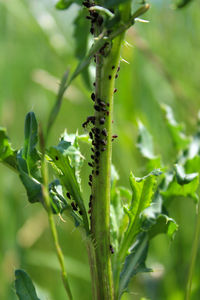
<point>137,214</point>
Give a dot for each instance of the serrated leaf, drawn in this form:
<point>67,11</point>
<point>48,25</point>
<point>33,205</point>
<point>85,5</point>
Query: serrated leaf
<point>176,130</point>
<point>24,287</point>
<point>161,224</point>
<point>188,189</point>
<point>69,146</point>
<point>7,154</point>
<point>66,174</point>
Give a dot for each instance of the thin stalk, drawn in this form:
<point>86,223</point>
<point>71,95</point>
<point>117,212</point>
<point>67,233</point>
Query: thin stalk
<point>193,256</point>
<point>52,225</point>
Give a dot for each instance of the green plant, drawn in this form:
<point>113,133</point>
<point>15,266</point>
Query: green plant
<point>122,221</point>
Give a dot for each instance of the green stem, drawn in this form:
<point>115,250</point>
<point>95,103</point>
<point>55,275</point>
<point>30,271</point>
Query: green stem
<point>52,225</point>
<point>106,70</point>
<point>193,257</point>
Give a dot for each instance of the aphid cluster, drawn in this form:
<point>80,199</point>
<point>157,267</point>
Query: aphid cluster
<point>74,205</point>
<point>94,16</point>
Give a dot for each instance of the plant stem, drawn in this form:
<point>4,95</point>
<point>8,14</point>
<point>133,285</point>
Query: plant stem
<point>106,69</point>
<point>193,257</point>
<point>52,225</point>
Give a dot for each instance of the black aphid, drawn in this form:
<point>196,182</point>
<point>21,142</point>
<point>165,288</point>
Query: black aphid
<point>93,96</point>
<point>104,142</point>
<point>90,184</point>
<point>114,136</point>
<point>92,171</point>
<point>104,132</point>
<point>101,121</point>
<point>74,207</point>
<point>118,69</point>
<point>103,149</point>
<point>107,112</point>
<point>101,103</point>
<point>94,83</point>
<point>97,153</point>
<point>109,77</point>
<point>97,108</point>
<point>108,104</point>
<point>91,197</point>
<point>90,204</point>
<point>92,149</point>
<point>111,249</point>
<point>90,177</point>
<point>90,164</point>
<point>115,90</point>
<point>68,195</point>
<point>89,211</point>
<point>116,76</point>
<point>97,172</point>
<point>103,109</point>
<point>80,212</point>
<point>91,135</point>
<point>97,130</point>
<point>96,161</point>
<point>56,157</point>
<point>86,4</point>
<point>113,67</point>
<point>92,156</point>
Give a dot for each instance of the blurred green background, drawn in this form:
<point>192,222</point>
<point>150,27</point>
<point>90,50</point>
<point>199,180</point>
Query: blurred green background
<point>36,47</point>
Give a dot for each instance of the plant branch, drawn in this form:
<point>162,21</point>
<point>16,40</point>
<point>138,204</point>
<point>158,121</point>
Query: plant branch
<point>193,256</point>
<point>52,225</point>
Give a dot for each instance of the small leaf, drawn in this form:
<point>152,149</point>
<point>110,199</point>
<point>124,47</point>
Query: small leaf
<point>187,188</point>
<point>24,287</point>
<point>7,154</point>
<point>183,178</point>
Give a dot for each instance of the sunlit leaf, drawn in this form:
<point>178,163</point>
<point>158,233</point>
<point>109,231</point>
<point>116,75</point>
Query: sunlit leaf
<point>176,130</point>
<point>24,287</point>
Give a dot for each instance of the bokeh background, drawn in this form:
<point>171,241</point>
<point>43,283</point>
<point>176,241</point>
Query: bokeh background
<point>36,47</point>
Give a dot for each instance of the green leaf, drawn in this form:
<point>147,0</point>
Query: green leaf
<point>7,154</point>
<point>182,185</point>
<point>142,193</point>
<point>24,287</point>
<point>29,152</point>
<point>183,178</point>
<point>176,130</point>
<point>65,4</point>
<point>145,142</point>
<point>134,263</point>
<point>67,175</point>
